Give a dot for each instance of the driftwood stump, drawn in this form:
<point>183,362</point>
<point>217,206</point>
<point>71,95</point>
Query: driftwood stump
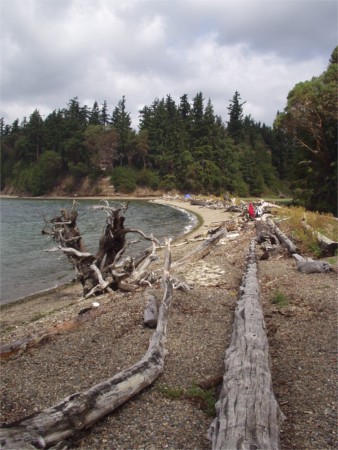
<point>248,415</point>
<point>105,271</point>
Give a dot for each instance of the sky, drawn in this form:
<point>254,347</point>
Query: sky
<point>95,50</point>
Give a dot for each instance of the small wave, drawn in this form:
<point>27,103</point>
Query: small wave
<point>193,220</point>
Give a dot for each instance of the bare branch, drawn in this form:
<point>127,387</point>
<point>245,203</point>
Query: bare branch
<point>148,238</point>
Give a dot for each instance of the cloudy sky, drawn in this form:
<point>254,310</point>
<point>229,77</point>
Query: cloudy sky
<point>55,50</point>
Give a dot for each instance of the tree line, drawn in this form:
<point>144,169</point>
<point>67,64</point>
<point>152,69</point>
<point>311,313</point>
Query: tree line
<point>183,146</point>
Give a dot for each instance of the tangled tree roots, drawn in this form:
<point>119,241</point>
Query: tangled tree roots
<point>106,271</point>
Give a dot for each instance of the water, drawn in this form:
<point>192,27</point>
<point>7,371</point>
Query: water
<point>25,266</point>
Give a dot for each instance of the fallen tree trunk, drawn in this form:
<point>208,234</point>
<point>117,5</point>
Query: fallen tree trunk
<point>281,236</point>
<point>248,415</point>
<point>198,202</point>
<point>81,410</point>
<point>201,250</point>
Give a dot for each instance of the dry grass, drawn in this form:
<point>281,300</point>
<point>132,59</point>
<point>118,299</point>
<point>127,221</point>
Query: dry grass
<point>306,240</point>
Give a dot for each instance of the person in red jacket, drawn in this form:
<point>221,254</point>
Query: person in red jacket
<point>251,211</point>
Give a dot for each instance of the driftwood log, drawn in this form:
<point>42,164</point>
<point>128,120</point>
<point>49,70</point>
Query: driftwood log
<point>310,266</point>
<point>264,233</point>
<point>83,409</point>
<point>150,314</point>
<point>268,241</point>
<point>201,250</point>
<point>248,415</point>
<point>282,237</point>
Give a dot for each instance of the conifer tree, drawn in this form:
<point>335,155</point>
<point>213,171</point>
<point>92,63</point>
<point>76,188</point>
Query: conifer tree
<point>94,115</point>
<point>121,122</point>
<point>104,116</point>
<point>235,122</point>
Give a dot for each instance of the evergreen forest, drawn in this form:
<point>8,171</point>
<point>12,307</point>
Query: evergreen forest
<point>183,146</point>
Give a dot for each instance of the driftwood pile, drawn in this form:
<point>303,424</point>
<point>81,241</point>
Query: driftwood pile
<point>274,242</point>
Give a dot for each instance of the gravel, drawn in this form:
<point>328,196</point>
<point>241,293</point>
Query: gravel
<point>302,338</point>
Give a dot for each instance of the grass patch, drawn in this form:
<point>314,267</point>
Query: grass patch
<point>306,240</point>
<point>204,399</point>
<point>332,260</point>
<point>39,316</point>
<point>280,300</point>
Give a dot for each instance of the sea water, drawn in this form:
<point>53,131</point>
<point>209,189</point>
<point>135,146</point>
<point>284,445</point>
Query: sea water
<point>26,266</point>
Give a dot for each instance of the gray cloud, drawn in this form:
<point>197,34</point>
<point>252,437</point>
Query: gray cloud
<point>54,50</point>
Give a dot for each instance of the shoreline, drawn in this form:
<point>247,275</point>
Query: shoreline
<point>204,218</point>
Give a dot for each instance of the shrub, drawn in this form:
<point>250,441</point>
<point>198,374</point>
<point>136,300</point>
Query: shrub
<point>124,179</point>
<point>148,178</point>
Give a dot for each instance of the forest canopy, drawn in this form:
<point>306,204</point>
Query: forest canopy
<point>183,146</point>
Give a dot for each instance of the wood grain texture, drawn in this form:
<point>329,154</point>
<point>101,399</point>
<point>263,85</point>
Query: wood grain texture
<point>248,415</point>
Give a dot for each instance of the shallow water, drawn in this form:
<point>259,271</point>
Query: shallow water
<point>26,268</point>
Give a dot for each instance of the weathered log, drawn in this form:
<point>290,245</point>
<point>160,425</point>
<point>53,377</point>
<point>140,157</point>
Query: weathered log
<point>248,415</point>
<point>201,250</point>
<point>234,208</point>
<point>328,246</point>
<point>269,242</point>
<point>83,409</point>
<point>150,314</point>
<point>264,234</point>
<point>198,202</point>
<point>311,266</point>
<point>282,237</point>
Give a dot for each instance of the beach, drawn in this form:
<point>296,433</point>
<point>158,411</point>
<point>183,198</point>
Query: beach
<point>199,331</point>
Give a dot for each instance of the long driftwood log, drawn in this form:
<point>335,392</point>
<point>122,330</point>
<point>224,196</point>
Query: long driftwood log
<point>282,237</point>
<point>83,409</point>
<point>201,250</point>
<point>248,415</point>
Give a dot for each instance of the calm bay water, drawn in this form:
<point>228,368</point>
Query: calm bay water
<point>25,266</point>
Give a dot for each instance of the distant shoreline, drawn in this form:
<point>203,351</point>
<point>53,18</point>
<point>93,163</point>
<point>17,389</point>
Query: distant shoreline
<point>80,197</point>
